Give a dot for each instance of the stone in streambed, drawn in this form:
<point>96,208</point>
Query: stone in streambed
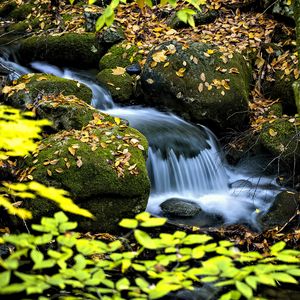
<point>176,207</point>
<point>120,85</point>
<point>70,49</point>
<point>30,88</point>
<point>102,166</point>
<point>199,82</point>
<point>281,211</point>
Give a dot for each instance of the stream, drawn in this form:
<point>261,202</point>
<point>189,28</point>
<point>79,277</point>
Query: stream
<point>184,161</point>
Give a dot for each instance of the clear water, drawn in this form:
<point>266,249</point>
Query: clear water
<point>184,161</point>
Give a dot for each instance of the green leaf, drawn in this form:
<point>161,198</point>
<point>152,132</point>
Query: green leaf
<point>129,223</point>
<point>277,247</point>
<point>122,284</point>
<point>4,279</point>
<point>142,284</point>
<point>283,277</point>
<point>13,288</point>
<point>252,281</point>
<point>244,289</point>
<point>36,256</point>
<point>196,239</point>
<point>294,272</point>
<point>265,279</point>
<point>100,23</point>
<point>198,252</point>
<point>145,240</point>
<point>154,222</point>
<point>143,216</point>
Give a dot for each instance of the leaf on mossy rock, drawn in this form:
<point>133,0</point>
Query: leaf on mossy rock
<point>118,71</point>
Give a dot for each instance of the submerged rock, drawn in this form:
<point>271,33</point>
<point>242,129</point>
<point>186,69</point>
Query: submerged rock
<point>120,55</point>
<point>119,85</point>
<point>102,166</point>
<point>281,211</point>
<point>30,88</point>
<point>69,49</point>
<point>176,207</point>
<point>199,82</point>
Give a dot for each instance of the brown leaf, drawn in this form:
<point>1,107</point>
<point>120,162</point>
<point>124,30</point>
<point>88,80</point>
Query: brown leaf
<point>118,71</point>
<point>79,162</point>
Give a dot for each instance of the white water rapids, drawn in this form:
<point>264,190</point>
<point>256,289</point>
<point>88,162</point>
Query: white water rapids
<point>184,161</point>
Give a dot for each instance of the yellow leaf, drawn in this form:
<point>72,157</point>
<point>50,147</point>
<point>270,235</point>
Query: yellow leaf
<point>159,56</point>
<point>117,120</point>
<point>72,150</point>
<point>118,71</point>
<point>210,51</point>
<point>272,132</point>
<point>180,72</point>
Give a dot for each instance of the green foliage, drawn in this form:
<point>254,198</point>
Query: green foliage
<point>19,131</point>
<point>56,258</point>
<point>186,14</point>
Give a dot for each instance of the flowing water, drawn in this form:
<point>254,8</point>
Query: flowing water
<point>184,161</point>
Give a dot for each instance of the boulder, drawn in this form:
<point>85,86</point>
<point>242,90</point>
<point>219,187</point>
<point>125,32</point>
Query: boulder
<point>279,8</point>
<point>120,86</point>
<point>111,35</point>
<point>31,87</point>
<point>198,82</point>
<point>281,139</point>
<point>21,12</point>
<point>65,112</point>
<point>120,55</point>
<point>102,166</point>
<point>205,16</point>
<point>70,49</point>
<point>281,211</point>
<point>176,207</point>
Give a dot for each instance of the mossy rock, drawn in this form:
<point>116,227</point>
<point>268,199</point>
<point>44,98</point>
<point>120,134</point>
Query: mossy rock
<point>21,12</point>
<point>22,26</point>
<point>281,211</point>
<point>102,166</point>
<point>31,87</point>
<point>281,139</point>
<point>120,55</point>
<point>120,86</point>
<point>199,82</point>
<point>70,49</point>
<point>65,112</point>
<point>6,7</point>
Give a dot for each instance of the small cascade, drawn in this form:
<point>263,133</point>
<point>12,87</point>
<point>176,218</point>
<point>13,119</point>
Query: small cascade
<point>184,161</point>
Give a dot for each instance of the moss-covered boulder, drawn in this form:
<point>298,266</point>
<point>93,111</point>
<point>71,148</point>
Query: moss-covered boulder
<point>281,139</point>
<point>284,207</point>
<point>23,26</point>
<point>199,82</point>
<point>31,87</point>
<point>65,112</point>
<point>102,166</point>
<point>70,49</point>
<point>120,55</point>
<point>120,84</point>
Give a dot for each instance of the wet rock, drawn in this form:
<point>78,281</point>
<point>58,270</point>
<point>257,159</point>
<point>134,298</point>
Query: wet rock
<point>281,211</point>
<point>120,55</point>
<point>34,86</point>
<point>70,49</point>
<point>134,69</point>
<point>176,207</point>
<point>110,36</point>
<point>89,172</point>
<point>279,8</point>
<point>91,15</point>
<point>240,184</point>
<point>281,140</point>
<point>205,16</point>
<point>198,82</point>
<point>120,86</point>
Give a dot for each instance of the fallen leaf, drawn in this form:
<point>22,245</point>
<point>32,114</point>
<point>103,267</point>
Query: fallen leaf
<point>272,132</point>
<point>118,71</point>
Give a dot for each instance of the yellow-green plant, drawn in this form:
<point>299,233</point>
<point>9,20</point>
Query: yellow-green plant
<point>56,260</point>
<point>185,14</point>
<point>19,133</point>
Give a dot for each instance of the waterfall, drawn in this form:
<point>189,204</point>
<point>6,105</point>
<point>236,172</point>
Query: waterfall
<point>184,161</point>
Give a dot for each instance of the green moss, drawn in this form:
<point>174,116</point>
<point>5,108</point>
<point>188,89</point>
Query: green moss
<point>95,183</point>
<point>70,49</point>
<point>120,55</point>
<point>21,12</point>
<point>22,26</point>
<point>281,139</point>
<point>220,97</point>
<point>120,86</point>
<point>6,7</point>
<point>43,84</point>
